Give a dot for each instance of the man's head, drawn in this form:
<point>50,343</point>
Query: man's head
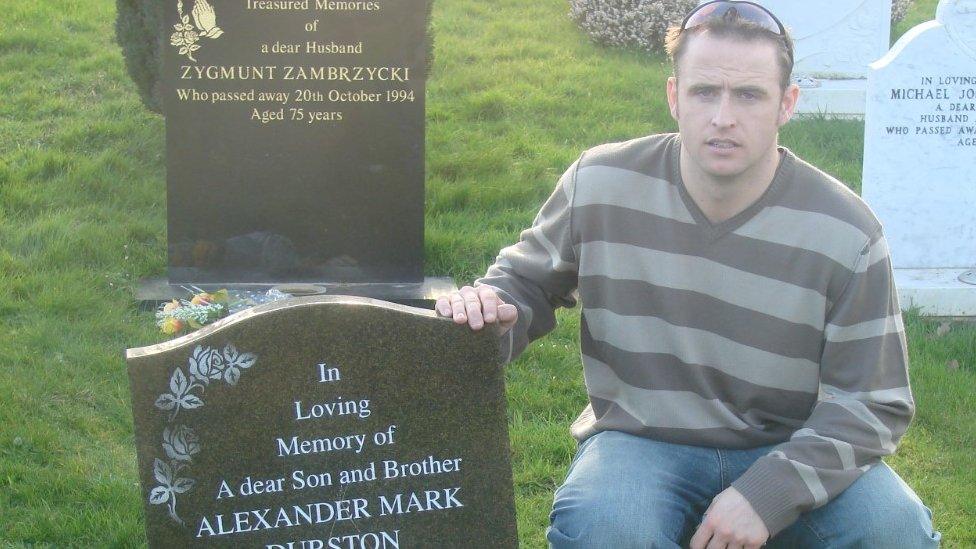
<point>736,20</point>
<point>731,88</point>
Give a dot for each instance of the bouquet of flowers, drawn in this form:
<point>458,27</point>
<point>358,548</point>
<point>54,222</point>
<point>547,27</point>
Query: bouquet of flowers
<point>179,315</point>
<point>183,315</point>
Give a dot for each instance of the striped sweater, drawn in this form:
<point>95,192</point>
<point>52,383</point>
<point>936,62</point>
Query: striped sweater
<point>778,326</point>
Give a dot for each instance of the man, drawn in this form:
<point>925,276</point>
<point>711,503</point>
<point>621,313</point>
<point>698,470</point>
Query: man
<point>742,343</point>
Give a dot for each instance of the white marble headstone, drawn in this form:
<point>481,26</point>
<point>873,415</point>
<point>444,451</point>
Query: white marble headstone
<point>835,38</point>
<point>835,41</point>
<point>920,142</point>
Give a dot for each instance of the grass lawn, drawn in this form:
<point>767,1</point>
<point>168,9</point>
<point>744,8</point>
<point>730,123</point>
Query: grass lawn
<point>515,94</point>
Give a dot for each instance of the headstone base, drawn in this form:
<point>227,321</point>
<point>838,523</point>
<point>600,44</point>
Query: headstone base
<point>152,291</point>
<point>936,292</point>
<point>833,99</point>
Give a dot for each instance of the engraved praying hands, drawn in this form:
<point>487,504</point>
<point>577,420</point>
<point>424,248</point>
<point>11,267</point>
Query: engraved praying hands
<point>187,36</point>
<point>205,19</point>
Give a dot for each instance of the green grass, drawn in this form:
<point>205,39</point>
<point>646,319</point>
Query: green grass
<point>920,12</point>
<point>515,94</point>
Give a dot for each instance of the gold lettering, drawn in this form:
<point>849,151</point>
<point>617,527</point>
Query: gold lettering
<point>342,6</point>
<point>233,72</point>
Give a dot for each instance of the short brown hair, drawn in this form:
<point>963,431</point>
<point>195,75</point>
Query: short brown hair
<point>676,41</point>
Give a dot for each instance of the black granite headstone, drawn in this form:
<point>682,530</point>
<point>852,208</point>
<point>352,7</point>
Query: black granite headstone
<point>324,422</point>
<point>295,140</point>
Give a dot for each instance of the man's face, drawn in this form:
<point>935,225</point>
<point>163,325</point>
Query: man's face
<point>729,105</point>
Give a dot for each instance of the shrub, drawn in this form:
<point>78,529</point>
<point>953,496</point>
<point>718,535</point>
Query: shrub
<point>642,24</point>
<point>639,24</point>
<point>140,32</point>
<point>899,8</point>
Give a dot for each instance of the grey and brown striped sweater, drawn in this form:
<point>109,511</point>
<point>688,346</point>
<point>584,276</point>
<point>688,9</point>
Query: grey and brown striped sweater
<point>778,326</point>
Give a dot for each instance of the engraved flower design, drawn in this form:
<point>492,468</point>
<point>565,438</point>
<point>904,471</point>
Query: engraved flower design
<point>206,364</point>
<point>204,24</point>
<point>180,443</point>
<point>185,37</point>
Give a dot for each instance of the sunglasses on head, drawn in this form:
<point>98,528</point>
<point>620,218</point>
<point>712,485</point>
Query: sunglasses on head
<point>731,10</point>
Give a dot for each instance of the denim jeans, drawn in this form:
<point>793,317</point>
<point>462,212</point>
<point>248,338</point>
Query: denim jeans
<point>627,491</point>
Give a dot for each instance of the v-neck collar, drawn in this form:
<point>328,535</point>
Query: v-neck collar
<point>714,231</point>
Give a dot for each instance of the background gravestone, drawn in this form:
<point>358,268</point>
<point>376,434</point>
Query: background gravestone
<point>304,129</point>
<point>919,153</point>
<point>140,33</point>
<point>295,145</point>
<point>835,41</point>
<point>324,418</point>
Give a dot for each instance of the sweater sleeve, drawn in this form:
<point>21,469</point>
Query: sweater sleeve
<point>864,407</point>
<point>538,274</point>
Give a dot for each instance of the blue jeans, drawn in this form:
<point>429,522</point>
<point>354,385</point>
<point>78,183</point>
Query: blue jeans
<point>627,491</point>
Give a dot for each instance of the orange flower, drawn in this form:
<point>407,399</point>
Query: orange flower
<point>171,306</point>
<point>202,299</point>
<point>172,326</point>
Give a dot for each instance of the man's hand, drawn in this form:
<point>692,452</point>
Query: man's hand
<point>477,306</point>
<point>730,522</point>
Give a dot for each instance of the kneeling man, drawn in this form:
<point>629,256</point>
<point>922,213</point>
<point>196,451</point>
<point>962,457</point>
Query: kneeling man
<point>741,338</point>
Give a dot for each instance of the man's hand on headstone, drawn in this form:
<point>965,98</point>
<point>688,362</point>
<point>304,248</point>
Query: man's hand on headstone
<point>477,306</point>
<point>730,521</point>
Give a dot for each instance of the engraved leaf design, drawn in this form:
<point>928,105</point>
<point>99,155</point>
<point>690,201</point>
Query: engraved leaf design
<point>235,362</point>
<point>180,396</point>
<point>241,360</point>
<point>178,383</point>
<point>159,495</point>
<point>162,472</point>
<point>191,401</point>
<point>163,494</point>
<point>183,484</point>
<point>166,401</point>
<point>246,360</point>
<point>231,353</point>
<point>232,375</point>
